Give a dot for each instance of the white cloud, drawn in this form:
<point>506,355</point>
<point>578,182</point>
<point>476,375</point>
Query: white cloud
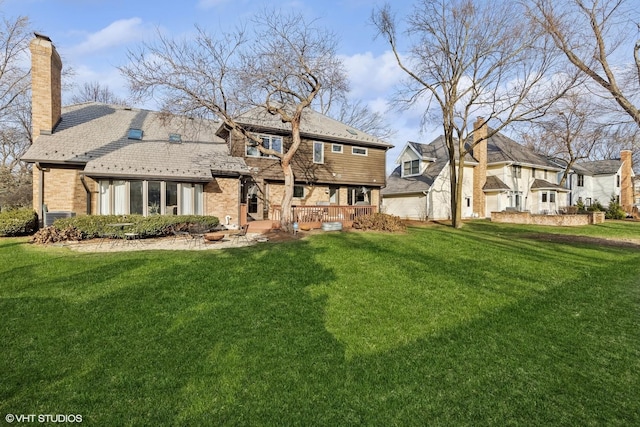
<point>371,75</point>
<point>115,34</point>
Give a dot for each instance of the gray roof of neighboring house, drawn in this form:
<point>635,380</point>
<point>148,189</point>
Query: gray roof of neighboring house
<point>437,149</point>
<point>502,149</point>
<point>96,135</point>
<point>598,167</point>
<point>419,183</point>
<point>493,183</point>
<point>541,184</point>
<point>313,125</point>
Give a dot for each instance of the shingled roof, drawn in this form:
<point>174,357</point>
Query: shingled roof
<point>313,125</point>
<point>598,167</point>
<point>437,150</point>
<point>96,136</point>
<point>502,149</point>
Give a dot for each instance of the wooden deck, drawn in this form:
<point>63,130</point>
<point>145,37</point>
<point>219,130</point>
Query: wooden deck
<point>312,216</point>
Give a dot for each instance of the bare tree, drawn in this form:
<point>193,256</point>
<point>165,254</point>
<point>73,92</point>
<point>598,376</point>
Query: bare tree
<point>471,58</point>
<point>590,33</point>
<point>14,75</point>
<point>279,68</point>
<point>568,132</point>
<point>95,92</point>
<point>15,111</point>
<point>359,116</point>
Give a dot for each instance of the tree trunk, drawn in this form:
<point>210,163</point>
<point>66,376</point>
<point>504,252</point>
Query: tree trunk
<point>454,193</point>
<point>286,220</point>
<point>457,217</point>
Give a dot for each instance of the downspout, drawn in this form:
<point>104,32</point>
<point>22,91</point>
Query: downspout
<point>40,193</point>
<point>86,188</point>
<point>426,194</point>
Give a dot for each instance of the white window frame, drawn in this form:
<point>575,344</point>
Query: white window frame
<point>252,150</point>
<point>365,153</point>
<point>336,148</point>
<point>321,152</point>
<point>411,172</point>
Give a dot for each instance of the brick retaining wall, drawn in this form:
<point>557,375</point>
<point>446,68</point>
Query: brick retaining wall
<point>556,220</point>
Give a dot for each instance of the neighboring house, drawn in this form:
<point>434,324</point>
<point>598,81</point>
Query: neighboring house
<point>103,159</point>
<point>600,180</point>
<point>500,175</point>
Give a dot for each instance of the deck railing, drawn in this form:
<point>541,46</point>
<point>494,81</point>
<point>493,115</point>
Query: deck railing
<point>325,213</point>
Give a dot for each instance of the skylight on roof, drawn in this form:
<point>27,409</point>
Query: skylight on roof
<point>135,134</point>
<point>352,132</point>
<point>175,137</point>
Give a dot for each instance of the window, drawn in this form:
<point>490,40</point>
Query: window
<point>617,180</point>
<point>533,172</point>
<point>333,195</point>
<point>359,151</point>
<point>545,174</point>
<point>298,191</point>
<point>552,197</point>
<point>318,152</point>
<point>135,134</point>
<point>136,197</point>
<point>336,148</point>
<point>517,171</point>
<point>269,142</point>
<point>171,198</point>
<point>119,191</point>
<point>544,197</point>
<point>105,199</point>
<point>411,167</point>
<point>154,199</point>
<point>358,196</point>
<point>119,197</point>
<point>580,180</point>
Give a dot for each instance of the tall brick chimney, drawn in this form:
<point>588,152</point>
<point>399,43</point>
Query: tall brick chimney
<point>626,181</point>
<point>46,90</point>
<point>480,131</point>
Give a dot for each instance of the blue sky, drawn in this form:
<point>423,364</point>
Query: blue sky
<point>93,36</point>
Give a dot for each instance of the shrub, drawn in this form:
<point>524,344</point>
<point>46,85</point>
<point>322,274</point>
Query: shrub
<point>580,205</point>
<point>572,210</point>
<point>615,211</point>
<point>92,226</point>
<point>379,222</point>
<point>596,206</point>
<point>18,222</point>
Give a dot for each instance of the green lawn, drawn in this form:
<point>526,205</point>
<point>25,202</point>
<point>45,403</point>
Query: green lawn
<point>488,325</point>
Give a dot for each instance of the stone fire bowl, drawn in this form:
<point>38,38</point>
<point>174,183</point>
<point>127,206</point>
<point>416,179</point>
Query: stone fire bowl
<point>213,237</point>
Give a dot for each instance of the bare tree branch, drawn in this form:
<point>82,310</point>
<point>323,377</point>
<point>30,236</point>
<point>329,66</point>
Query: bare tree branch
<point>590,52</point>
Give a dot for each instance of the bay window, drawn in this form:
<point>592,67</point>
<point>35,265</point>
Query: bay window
<point>120,197</point>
